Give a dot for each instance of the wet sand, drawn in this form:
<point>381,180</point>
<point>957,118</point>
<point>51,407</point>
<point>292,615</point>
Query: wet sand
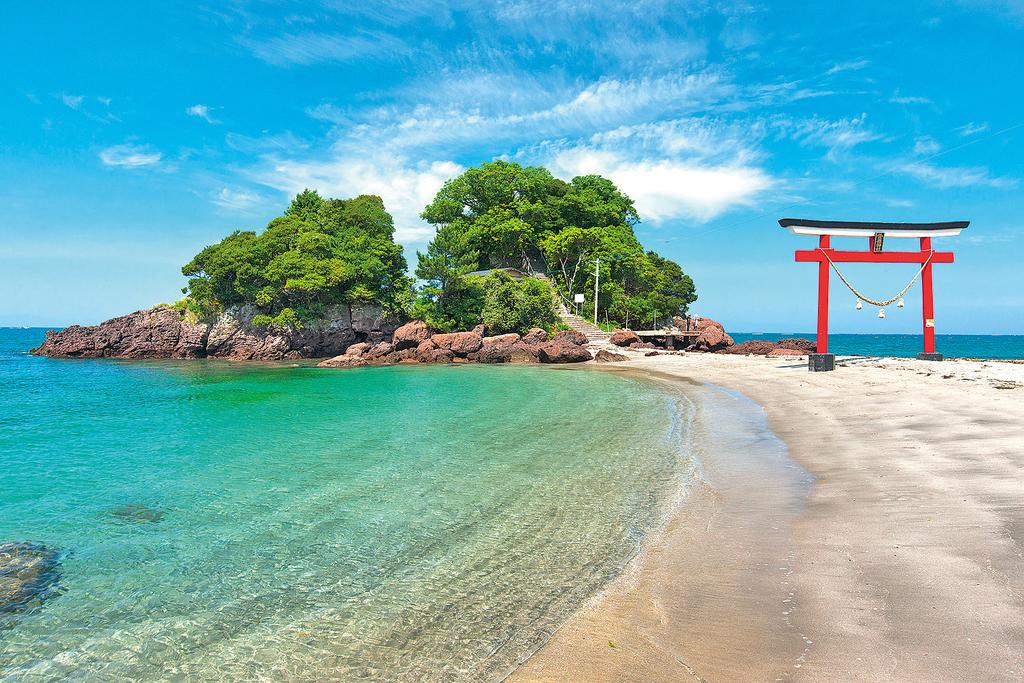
<point>884,542</point>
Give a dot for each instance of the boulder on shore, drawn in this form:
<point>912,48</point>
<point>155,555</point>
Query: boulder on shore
<point>343,361</point>
<point>535,335</point>
<point>797,344</point>
<point>711,336</point>
<point>459,343</point>
<point>754,347</point>
<point>410,335</point>
<point>496,349</point>
<point>624,338</point>
<point>571,337</point>
<point>560,352</point>
<point>606,356</point>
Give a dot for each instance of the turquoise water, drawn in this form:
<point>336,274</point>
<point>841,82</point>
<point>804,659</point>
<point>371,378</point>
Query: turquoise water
<point>909,345</point>
<point>248,521</point>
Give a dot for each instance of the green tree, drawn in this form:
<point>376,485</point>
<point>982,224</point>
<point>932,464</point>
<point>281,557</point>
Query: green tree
<point>511,306</point>
<point>320,252</point>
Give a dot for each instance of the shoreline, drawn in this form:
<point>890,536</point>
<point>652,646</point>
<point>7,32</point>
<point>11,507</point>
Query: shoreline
<point>906,561</point>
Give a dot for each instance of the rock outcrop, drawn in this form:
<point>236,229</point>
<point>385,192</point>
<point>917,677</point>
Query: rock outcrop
<point>29,575</point>
<point>754,347</point>
<point>161,332</point>
<point>606,356</point>
<point>562,352</point>
<point>624,338</point>
<point>410,335</point>
<point>711,336</point>
<point>797,344</point>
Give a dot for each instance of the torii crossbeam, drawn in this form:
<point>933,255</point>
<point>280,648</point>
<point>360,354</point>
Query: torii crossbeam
<point>876,233</point>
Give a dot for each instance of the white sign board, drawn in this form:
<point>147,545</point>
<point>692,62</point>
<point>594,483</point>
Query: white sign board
<point>580,298</point>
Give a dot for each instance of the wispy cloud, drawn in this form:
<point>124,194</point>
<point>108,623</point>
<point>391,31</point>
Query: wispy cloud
<point>72,101</point>
<point>852,65</point>
<point>945,177</point>
<point>130,156</point>
<point>926,146</point>
<point>237,200</point>
<point>837,135</point>
<point>201,111</point>
<point>972,129</point>
<point>312,48</point>
<point>897,98</point>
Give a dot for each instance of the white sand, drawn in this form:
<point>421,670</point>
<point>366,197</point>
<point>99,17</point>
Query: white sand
<point>903,561</point>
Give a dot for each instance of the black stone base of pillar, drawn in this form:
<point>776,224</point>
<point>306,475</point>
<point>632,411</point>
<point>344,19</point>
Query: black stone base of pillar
<point>821,362</point>
<point>929,356</point>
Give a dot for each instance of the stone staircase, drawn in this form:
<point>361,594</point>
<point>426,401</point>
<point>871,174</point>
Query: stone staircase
<point>593,332</point>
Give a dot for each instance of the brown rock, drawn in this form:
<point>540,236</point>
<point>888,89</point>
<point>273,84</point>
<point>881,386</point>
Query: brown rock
<point>343,361</point>
<point>497,349</point>
<point>459,343</point>
<point>785,353</point>
<point>378,351</point>
<point>524,352</point>
<point>357,349</point>
<point>754,347</point>
<point>797,344</point>
<point>571,337</point>
<point>606,356</point>
<point>624,338</point>
<point>479,330</point>
<point>635,346</point>
<point>155,333</point>
<point>559,352</point>
<point>711,336</point>
<point>535,335</point>
<point>410,335</point>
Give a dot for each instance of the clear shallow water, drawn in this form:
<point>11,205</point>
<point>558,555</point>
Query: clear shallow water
<point>909,345</point>
<point>407,523</point>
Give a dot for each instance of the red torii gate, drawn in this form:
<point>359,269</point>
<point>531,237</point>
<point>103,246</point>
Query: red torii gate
<point>876,233</point>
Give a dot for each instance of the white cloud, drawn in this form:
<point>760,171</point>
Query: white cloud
<point>201,111</point>
<point>852,65</point>
<point>926,146</point>
<point>952,176</point>
<point>130,156</point>
<point>72,101</point>
<point>664,189</point>
<point>897,98</point>
<point>406,187</point>
<point>972,129</point>
<point>693,168</point>
<point>236,200</point>
<point>837,135</point>
<point>314,48</point>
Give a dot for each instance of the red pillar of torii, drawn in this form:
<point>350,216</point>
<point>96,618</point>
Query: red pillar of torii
<point>876,233</point>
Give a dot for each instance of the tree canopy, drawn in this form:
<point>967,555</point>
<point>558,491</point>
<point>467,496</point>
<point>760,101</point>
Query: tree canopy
<point>501,214</point>
<point>320,252</point>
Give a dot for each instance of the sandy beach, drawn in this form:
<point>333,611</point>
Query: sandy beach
<point>883,541</point>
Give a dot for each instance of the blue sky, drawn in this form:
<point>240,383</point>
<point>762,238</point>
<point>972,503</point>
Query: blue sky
<point>133,134</point>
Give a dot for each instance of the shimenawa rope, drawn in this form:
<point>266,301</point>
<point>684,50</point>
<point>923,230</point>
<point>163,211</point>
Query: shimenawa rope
<point>872,301</point>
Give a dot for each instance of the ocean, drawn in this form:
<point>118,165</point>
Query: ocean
<point>908,345</point>
<point>278,521</point>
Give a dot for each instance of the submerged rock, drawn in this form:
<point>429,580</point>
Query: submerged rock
<point>29,575</point>
<point>134,512</point>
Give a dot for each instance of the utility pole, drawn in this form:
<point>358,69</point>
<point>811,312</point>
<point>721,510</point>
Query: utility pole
<point>597,280</point>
